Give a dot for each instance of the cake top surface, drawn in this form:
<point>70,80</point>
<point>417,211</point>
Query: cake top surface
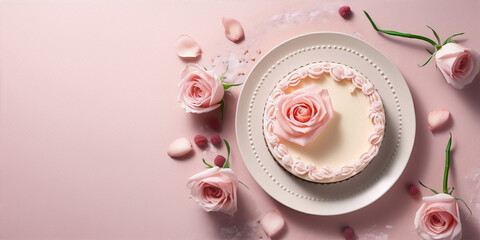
<point>329,139</point>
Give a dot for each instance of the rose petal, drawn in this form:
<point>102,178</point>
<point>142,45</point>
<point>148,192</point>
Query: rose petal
<point>272,223</point>
<point>437,118</point>
<point>186,47</point>
<point>233,29</point>
<point>179,147</point>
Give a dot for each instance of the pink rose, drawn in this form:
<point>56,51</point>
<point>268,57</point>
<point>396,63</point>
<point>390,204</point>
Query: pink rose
<point>215,189</point>
<point>200,90</point>
<point>302,114</point>
<point>459,65</point>
<point>438,218</point>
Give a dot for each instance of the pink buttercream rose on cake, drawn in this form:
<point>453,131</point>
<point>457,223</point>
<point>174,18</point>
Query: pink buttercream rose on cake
<point>438,218</point>
<point>302,114</point>
<point>200,90</point>
<point>215,189</point>
<point>459,65</point>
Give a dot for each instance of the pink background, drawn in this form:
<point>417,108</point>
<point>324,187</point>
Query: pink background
<point>88,108</point>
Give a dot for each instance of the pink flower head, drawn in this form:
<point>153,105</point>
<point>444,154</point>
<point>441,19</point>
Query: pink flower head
<point>459,65</point>
<point>439,218</point>
<point>302,114</point>
<point>215,189</point>
<point>200,90</point>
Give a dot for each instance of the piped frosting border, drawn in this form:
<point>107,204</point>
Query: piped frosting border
<point>309,171</point>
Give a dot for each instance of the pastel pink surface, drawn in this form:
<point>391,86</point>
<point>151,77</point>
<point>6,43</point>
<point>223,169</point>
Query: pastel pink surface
<point>88,108</point>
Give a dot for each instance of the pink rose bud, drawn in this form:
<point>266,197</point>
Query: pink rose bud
<point>437,119</point>
<point>348,233</point>
<point>200,140</point>
<point>344,11</point>
<point>413,190</point>
<point>215,139</point>
<point>179,147</point>
<point>458,64</point>
<point>219,161</point>
<point>215,124</point>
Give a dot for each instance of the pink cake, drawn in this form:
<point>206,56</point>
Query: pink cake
<point>324,122</point>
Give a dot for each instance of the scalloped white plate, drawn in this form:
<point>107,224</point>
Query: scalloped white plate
<point>378,176</point>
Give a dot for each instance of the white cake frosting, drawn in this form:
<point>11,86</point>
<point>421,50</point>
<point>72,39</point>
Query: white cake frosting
<point>361,114</point>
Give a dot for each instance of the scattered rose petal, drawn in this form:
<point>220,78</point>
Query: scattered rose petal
<point>413,190</point>
<point>437,118</point>
<point>233,29</point>
<point>200,140</point>
<point>186,47</point>
<point>219,161</point>
<point>344,11</point>
<point>179,147</point>
<point>215,124</point>
<point>272,223</point>
<point>215,139</point>
<point>348,233</point>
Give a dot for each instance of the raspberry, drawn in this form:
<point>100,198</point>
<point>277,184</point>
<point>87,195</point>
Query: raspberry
<point>215,139</point>
<point>344,11</point>
<point>215,124</point>
<point>413,190</point>
<point>219,161</point>
<point>200,140</point>
<point>348,233</point>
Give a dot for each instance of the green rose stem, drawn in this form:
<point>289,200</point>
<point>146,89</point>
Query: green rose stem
<point>447,166</point>
<point>446,189</point>
<point>437,46</point>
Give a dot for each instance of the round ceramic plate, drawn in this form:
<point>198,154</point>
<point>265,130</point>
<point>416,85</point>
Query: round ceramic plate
<point>365,187</point>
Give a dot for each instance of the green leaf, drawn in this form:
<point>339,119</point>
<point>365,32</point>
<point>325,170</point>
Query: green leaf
<point>223,75</point>
<point>447,165</point>
<point>430,58</point>
<point>450,38</point>
<point>431,189</point>
<point>244,184</point>
<point>400,34</point>
<point>227,162</point>
<point>227,86</point>
<point>435,33</point>
<point>222,107</point>
<point>457,198</point>
<point>208,165</point>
